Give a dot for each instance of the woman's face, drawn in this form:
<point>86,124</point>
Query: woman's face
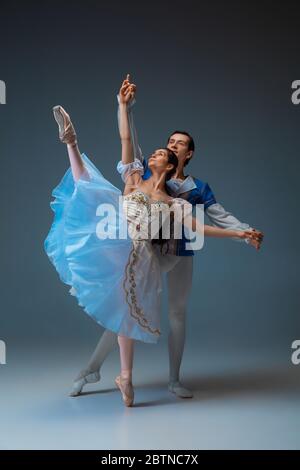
<point>159,160</point>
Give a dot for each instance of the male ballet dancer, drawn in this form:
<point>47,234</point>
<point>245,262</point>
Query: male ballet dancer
<point>178,263</point>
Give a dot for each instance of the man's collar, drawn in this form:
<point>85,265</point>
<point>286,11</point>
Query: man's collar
<point>178,186</point>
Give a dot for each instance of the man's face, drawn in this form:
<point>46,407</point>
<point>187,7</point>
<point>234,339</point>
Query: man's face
<point>179,144</point>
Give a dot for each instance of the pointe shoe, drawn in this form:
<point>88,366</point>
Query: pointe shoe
<point>67,132</point>
<point>126,389</point>
<point>179,390</point>
<point>78,385</point>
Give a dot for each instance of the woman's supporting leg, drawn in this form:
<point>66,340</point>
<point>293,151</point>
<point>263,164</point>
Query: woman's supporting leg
<point>124,380</point>
<point>126,356</point>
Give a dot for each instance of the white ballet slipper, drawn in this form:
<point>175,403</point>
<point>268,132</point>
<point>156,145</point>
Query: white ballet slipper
<point>179,390</point>
<point>90,377</point>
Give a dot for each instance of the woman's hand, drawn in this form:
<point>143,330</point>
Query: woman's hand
<point>127,90</point>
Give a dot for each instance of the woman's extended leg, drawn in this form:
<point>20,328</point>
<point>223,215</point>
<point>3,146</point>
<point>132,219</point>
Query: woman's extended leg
<point>68,136</point>
<point>124,380</point>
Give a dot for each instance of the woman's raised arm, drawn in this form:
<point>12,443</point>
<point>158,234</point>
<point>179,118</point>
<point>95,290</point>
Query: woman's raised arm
<point>126,92</point>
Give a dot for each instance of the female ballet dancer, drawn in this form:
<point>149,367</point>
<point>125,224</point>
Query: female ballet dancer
<point>117,280</point>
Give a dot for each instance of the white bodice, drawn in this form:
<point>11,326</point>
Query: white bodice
<point>142,213</point>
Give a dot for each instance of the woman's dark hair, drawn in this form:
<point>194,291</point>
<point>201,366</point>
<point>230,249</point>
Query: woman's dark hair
<point>172,158</point>
<point>164,244</point>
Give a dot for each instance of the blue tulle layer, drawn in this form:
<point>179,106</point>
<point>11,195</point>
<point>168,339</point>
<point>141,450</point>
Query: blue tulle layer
<point>96,268</point>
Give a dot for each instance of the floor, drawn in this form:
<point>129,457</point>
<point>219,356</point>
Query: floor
<point>240,402</point>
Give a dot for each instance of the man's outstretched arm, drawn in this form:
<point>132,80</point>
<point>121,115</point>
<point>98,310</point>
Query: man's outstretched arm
<point>222,218</point>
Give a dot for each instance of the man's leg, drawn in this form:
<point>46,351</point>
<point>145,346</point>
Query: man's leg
<point>179,280</point>
<point>107,343</point>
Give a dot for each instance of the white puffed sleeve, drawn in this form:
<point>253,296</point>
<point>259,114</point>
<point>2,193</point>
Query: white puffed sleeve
<point>129,169</point>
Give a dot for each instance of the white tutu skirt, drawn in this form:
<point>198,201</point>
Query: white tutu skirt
<point>116,281</point>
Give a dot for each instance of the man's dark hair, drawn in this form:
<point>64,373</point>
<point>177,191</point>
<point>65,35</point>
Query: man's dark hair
<point>191,145</point>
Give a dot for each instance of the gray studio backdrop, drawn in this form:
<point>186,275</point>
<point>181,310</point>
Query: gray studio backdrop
<point>217,69</point>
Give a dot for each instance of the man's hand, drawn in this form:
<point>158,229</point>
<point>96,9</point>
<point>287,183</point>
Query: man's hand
<point>253,236</point>
<point>127,90</point>
<point>257,241</point>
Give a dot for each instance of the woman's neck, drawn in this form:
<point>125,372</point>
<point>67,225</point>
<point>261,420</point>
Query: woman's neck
<point>157,182</point>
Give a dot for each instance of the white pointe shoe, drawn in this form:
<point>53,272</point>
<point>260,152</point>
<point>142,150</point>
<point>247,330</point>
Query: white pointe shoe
<point>179,390</point>
<point>91,377</point>
<point>67,132</point>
